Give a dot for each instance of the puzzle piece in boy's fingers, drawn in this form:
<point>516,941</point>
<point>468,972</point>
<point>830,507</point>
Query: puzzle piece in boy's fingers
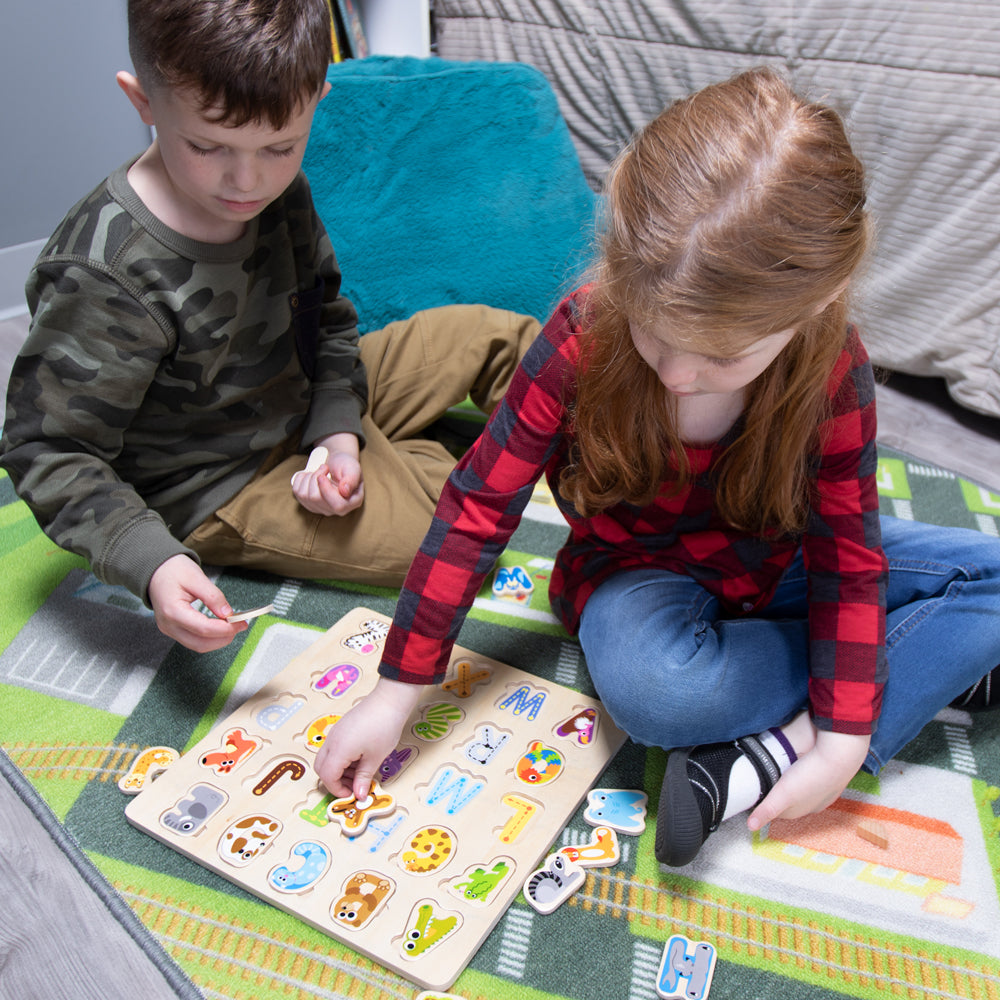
<point>148,765</point>
<point>686,969</point>
<point>317,457</point>
<point>245,616</point>
<point>353,813</point>
<point>550,886</point>
<point>621,809</point>
<point>434,995</point>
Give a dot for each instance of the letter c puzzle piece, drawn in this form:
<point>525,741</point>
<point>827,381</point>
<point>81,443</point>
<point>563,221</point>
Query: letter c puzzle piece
<point>686,969</point>
<point>315,861</point>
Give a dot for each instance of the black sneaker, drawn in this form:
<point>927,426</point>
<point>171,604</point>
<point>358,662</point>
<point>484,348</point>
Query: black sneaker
<point>693,796</point>
<point>985,693</point>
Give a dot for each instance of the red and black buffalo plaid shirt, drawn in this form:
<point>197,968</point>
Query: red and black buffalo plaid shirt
<point>527,435</point>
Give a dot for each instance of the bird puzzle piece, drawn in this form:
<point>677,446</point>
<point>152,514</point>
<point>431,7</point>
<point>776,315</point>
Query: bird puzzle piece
<point>581,727</point>
<point>353,814</point>
<point>619,808</point>
<point>551,885</point>
<point>539,765</point>
<point>146,767</point>
<point>686,969</point>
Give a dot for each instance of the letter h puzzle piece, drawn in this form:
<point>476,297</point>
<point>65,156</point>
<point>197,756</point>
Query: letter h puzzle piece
<point>686,969</point>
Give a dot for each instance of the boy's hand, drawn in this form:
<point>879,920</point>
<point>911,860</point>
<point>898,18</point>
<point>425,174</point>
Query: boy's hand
<point>357,744</point>
<point>815,780</point>
<point>173,586</point>
<point>331,483</point>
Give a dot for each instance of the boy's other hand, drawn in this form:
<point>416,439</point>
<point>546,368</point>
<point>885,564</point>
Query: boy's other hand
<point>173,587</point>
<point>331,483</point>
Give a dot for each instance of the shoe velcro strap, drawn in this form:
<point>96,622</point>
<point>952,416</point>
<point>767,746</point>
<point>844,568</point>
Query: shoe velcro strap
<point>765,765</point>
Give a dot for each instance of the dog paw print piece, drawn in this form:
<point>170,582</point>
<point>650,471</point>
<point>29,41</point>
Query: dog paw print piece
<point>552,884</point>
<point>353,814</point>
<point>621,809</point>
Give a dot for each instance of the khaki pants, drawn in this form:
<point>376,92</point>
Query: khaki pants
<point>417,369</point>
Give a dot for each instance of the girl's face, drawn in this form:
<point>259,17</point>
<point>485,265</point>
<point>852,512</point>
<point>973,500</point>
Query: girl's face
<point>687,373</point>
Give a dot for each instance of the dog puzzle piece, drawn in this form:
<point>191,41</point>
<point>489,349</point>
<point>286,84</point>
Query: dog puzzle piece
<point>315,861</point>
<point>686,969</point>
<point>236,747</point>
<point>551,885</point>
<point>602,852</point>
<point>353,814</point>
<point>247,838</point>
<point>245,616</point>
<point>621,809</point>
<point>147,766</point>
<point>362,896</point>
<point>194,810</point>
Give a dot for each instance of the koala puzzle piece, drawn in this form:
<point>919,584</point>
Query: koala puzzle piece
<point>686,969</point>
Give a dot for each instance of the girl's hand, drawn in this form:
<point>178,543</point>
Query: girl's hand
<point>815,780</point>
<point>355,746</point>
<point>331,483</point>
<point>173,586</point>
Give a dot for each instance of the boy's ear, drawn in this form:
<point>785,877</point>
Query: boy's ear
<point>134,92</point>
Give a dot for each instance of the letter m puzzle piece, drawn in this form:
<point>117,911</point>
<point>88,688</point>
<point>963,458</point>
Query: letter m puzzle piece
<point>686,969</point>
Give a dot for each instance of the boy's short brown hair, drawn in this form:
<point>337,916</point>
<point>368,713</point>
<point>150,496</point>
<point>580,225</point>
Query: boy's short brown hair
<point>247,60</point>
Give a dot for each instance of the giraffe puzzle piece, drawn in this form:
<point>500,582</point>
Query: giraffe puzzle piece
<point>147,766</point>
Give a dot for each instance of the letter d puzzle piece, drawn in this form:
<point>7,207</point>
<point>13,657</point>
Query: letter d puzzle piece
<point>686,969</point>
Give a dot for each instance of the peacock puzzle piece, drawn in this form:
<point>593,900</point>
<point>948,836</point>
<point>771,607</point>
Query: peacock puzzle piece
<point>148,765</point>
<point>353,814</point>
<point>621,809</point>
<point>550,886</point>
<point>539,765</point>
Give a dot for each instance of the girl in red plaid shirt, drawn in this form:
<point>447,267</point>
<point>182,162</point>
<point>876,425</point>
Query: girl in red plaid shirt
<point>705,417</point>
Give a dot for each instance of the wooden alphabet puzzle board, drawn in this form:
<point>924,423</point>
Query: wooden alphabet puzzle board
<point>489,769</point>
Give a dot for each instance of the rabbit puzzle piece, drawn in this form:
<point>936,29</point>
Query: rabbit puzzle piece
<point>488,771</point>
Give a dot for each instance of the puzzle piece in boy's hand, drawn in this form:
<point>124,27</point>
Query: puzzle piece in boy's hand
<point>353,814</point>
<point>245,616</point>
<point>602,852</point>
<point>317,457</point>
<point>686,969</point>
<point>147,765</point>
<point>621,809</point>
<point>552,884</point>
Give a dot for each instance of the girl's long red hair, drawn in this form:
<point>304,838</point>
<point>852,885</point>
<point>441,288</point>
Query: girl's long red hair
<point>729,217</point>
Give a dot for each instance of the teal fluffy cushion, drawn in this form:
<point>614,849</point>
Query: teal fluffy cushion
<point>444,182</point>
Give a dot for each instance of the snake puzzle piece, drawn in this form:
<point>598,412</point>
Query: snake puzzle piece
<point>490,768</point>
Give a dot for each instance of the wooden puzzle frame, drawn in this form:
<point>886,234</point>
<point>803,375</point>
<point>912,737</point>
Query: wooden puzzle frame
<point>490,768</point>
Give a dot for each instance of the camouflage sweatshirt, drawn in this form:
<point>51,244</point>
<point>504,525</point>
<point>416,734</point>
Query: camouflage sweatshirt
<point>159,372</point>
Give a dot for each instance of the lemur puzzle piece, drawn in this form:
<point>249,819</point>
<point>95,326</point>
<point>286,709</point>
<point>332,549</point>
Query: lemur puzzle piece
<point>686,969</point>
<point>550,886</point>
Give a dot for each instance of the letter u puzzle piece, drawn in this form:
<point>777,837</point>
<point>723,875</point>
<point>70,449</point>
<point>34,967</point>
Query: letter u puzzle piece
<point>489,769</point>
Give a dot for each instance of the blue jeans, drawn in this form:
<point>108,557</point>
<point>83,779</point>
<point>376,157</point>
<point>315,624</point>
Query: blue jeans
<point>673,671</point>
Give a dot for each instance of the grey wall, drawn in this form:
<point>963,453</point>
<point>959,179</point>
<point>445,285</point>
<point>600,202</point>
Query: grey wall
<point>64,124</point>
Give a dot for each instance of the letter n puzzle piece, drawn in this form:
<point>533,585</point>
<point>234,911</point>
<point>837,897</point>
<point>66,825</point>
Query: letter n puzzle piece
<point>686,969</point>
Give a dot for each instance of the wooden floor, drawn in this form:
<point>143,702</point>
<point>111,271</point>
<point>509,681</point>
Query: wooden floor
<point>916,415</point>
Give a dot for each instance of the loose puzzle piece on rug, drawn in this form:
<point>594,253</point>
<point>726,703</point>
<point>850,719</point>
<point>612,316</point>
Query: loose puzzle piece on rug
<point>490,768</point>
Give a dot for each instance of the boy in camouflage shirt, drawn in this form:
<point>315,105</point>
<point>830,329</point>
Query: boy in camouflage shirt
<point>189,344</point>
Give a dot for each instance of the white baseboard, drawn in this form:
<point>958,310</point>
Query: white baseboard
<point>15,263</point>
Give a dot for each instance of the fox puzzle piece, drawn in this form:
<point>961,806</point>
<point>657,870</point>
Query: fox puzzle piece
<point>489,769</point>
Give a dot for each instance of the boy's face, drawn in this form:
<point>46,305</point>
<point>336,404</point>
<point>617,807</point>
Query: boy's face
<point>214,177</point>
